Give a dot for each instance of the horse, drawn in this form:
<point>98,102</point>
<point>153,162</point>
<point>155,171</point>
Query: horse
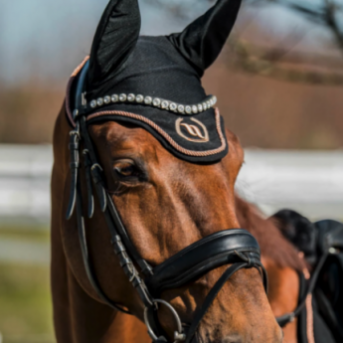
<point>165,178</point>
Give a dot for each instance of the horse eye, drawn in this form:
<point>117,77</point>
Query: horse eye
<point>127,169</point>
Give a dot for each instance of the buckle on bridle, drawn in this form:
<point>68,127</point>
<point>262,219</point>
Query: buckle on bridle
<point>75,131</point>
<point>247,258</point>
<point>96,165</point>
<point>179,335</point>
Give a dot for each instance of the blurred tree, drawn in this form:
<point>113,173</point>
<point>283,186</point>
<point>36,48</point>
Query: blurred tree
<point>327,13</point>
<point>280,61</point>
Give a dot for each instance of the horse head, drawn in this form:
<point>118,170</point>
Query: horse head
<point>168,166</point>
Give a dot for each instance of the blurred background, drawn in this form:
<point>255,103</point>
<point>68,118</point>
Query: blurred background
<point>279,81</point>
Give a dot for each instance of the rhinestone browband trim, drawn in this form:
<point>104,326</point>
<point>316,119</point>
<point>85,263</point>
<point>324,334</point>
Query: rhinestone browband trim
<point>163,104</point>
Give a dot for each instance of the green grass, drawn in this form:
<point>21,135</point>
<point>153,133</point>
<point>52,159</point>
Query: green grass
<point>25,234</point>
<point>25,303</point>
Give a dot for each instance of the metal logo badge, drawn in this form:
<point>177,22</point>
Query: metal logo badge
<point>195,133</point>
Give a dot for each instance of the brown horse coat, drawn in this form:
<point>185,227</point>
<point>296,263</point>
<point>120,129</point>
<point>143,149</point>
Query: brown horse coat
<point>170,189</point>
<point>181,203</point>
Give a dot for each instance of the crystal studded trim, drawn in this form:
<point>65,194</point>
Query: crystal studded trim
<point>163,104</point>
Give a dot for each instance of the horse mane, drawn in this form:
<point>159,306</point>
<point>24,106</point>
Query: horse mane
<point>273,244</point>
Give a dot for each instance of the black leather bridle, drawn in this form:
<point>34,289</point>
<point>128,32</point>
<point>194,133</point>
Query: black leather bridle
<point>236,247</point>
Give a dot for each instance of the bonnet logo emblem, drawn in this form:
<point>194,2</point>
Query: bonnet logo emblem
<point>193,133</point>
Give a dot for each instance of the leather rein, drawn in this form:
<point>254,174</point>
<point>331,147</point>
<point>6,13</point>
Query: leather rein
<point>236,247</point>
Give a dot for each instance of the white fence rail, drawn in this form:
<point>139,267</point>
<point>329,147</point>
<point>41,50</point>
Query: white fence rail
<point>24,184</point>
<point>311,182</point>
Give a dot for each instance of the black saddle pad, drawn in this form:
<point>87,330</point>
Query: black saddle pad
<point>329,289</point>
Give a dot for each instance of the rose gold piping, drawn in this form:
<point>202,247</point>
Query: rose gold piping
<point>165,135</point>
<point>309,326</point>
<point>309,311</point>
<point>73,75</point>
<point>307,274</point>
<point>79,67</point>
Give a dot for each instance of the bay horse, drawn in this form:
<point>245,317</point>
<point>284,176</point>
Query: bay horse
<point>164,174</point>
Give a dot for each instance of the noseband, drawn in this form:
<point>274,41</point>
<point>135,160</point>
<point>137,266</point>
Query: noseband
<point>234,247</point>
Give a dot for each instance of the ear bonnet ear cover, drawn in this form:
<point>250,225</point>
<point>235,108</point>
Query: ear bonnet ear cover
<point>162,68</point>
<point>202,41</point>
<point>115,37</point>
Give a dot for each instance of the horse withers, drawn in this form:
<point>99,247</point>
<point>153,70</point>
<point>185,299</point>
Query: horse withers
<point>145,222</point>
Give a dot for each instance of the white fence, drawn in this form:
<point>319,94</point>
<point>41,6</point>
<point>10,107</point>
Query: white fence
<point>311,182</point>
<point>24,184</point>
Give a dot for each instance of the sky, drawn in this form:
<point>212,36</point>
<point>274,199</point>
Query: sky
<point>44,39</point>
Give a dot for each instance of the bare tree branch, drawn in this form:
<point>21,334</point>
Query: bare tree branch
<point>246,59</point>
<point>325,14</point>
<point>332,22</point>
<point>284,55</point>
<point>271,61</point>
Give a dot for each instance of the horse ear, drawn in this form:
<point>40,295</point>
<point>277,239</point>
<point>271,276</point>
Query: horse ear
<point>201,42</point>
<point>115,37</point>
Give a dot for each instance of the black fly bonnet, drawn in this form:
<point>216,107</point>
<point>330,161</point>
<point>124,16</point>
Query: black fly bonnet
<point>154,82</point>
